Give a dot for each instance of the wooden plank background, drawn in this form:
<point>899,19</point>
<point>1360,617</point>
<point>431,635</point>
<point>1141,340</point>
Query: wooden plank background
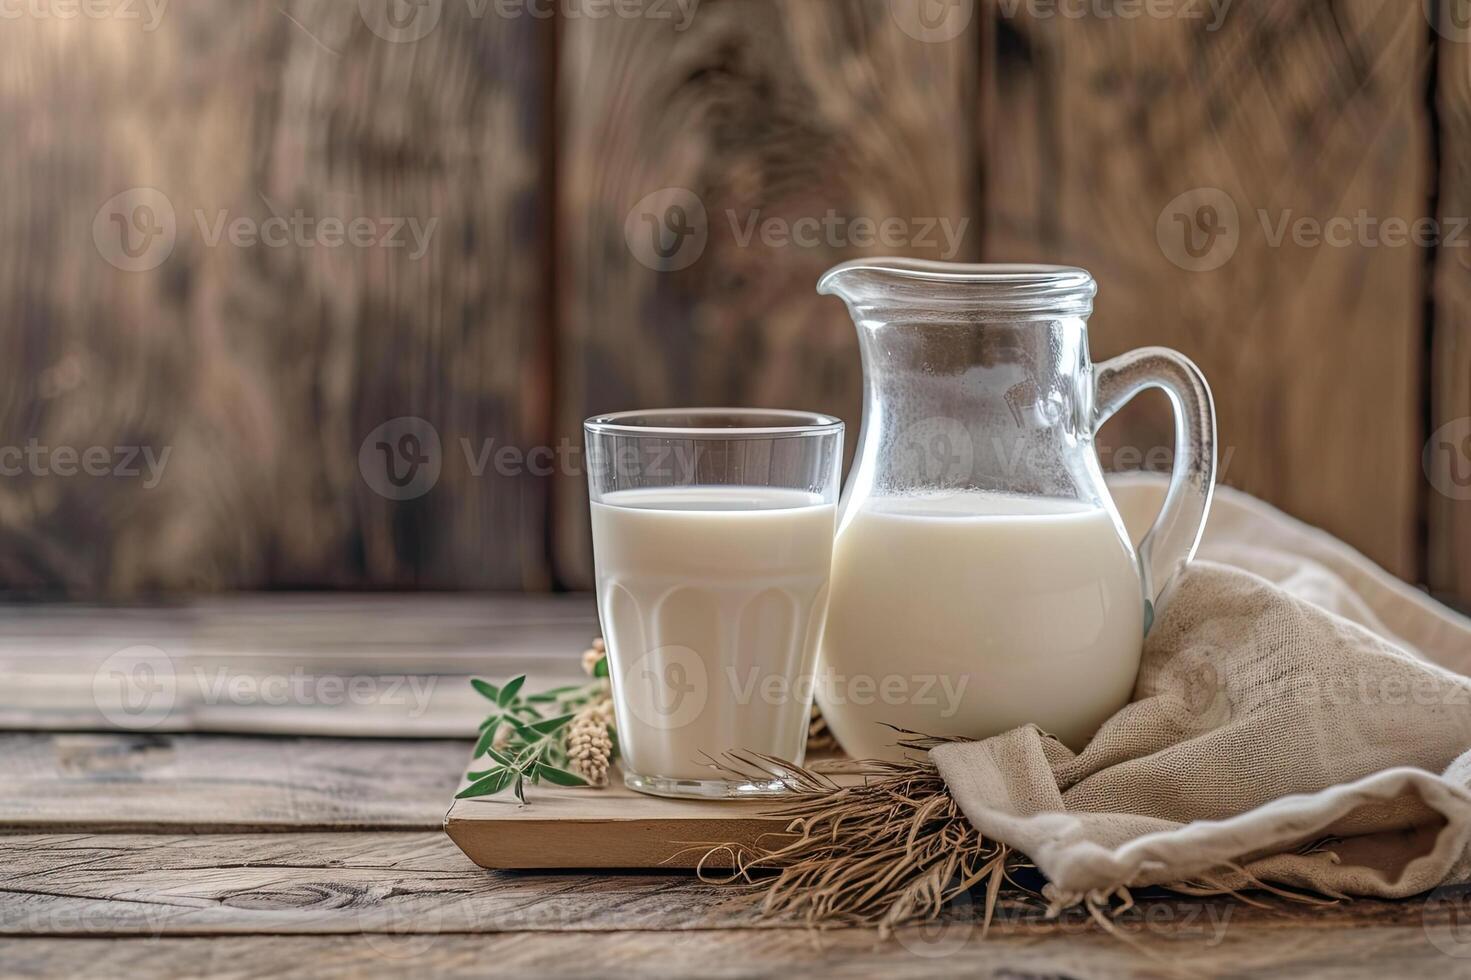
<point>1290,110</point>
<point>541,149</point>
<point>1448,449</point>
<point>262,369</point>
<point>1352,952</point>
<point>318,664</point>
<point>335,866</point>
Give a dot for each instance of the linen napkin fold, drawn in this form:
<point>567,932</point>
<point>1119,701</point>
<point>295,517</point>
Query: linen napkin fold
<point>1269,740</point>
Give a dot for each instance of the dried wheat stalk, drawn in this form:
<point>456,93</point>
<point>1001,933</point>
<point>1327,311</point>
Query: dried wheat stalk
<point>893,850</point>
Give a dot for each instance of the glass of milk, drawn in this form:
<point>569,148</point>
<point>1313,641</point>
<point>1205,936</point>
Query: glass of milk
<point>712,537</point>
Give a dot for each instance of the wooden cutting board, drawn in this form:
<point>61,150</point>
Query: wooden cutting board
<point>614,827</point>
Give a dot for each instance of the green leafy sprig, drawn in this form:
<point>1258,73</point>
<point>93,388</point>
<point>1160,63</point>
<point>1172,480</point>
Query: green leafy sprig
<point>534,746</point>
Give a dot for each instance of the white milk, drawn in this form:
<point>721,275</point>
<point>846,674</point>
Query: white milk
<point>972,613</point>
<point>711,601</point>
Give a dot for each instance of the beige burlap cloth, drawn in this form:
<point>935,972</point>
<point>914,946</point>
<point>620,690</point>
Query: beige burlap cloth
<point>1301,719</point>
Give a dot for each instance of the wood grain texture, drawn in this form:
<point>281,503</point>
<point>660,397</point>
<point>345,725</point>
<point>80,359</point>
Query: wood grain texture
<point>344,664</point>
<point>418,883</point>
<point>1347,952</point>
<point>353,901</point>
<point>1095,125</point>
<point>262,368</point>
<point>216,784</point>
<point>757,111</point>
<point>1447,460</point>
<point>613,827</point>
<point>343,883</point>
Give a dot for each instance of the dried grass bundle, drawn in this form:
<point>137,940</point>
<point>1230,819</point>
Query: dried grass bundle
<point>896,849</point>
<point>891,850</point>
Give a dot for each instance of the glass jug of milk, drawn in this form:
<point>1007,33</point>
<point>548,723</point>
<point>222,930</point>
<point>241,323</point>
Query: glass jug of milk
<point>982,578</point>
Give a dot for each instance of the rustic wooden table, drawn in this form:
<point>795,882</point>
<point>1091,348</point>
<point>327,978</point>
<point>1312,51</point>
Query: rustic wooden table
<point>222,841</point>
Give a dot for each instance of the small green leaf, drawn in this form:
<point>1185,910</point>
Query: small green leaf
<point>559,776</point>
<point>521,787</point>
<point>486,739</point>
<point>508,693</point>
<point>488,786</point>
<point>486,689</point>
<point>600,669</point>
<point>549,725</point>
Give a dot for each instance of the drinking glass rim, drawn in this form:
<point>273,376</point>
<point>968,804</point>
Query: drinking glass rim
<point>789,422</point>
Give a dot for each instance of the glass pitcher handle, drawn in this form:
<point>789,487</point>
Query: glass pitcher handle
<point>1171,542</point>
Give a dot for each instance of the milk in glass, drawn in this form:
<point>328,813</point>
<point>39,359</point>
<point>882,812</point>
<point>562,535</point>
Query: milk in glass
<point>712,599</point>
